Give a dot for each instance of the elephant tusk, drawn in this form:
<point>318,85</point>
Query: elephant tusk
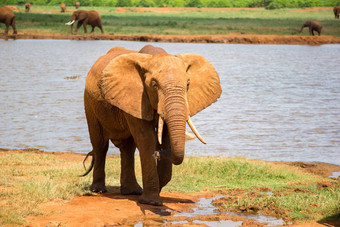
<point>70,22</point>
<point>160,129</point>
<point>193,128</point>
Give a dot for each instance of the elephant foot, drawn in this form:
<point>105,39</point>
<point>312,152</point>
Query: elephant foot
<point>136,190</point>
<point>151,200</point>
<point>98,188</point>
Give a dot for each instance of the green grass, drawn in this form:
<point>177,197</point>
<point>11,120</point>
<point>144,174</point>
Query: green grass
<point>183,22</point>
<point>29,179</point>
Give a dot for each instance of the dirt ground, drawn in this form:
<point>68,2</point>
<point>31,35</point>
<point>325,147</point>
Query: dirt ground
<point>114,209</point>
<point>234,38</point>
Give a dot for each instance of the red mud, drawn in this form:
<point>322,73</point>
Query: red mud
<point>229,38</point>
<point>114,209</point>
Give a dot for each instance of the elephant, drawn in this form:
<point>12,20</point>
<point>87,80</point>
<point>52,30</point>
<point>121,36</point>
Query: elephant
<point>336,11</point>
<point>142,100</point>
<point>77,5</point>
<point>313,26</point>
<point>8,18</point>
<point>62,7</point>
<point>85,17</point>
<point>27,7</point>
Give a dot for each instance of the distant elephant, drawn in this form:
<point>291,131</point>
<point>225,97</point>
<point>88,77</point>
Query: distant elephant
<point>7,17</point>
<point>336,11</point>
<point>84,18</point>
<point>27,7</point>
<point>149,49</point>
<point>138,100</point>
<point>62,7</point>
<point>313,26</point>
<point>77,5</point>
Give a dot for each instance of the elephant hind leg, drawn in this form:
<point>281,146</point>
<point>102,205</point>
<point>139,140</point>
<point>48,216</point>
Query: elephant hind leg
<point>6,29</point>
<point>128,181</point>
<point>99,152</point>
<point>101,29</point>
<point>100,146</point>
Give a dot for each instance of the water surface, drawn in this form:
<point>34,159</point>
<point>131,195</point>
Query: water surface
<point>279,102</point>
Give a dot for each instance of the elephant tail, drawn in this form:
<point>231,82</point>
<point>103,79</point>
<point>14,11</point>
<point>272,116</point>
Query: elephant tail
<point>91,166</point>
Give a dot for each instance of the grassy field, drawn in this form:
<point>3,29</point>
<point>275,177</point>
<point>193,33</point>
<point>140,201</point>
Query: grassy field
<point>47,19</point>
<point>31,178</point>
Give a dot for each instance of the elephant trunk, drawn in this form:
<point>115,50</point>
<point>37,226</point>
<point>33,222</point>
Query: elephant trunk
<point>301,28</point>
<point>176,114</point>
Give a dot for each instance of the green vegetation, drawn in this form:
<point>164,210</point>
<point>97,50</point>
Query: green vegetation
<point>181,21</point>
<point>270,4</point>
<point>32,178</point>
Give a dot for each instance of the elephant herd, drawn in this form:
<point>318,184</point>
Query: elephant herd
<point>84,17</point>
<point>93,18</point>
<point>316,25</point>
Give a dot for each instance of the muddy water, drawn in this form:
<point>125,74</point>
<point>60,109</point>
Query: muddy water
<point>279,102</point>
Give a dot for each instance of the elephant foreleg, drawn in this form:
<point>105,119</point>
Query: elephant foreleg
<point>164,168</point>
<point>128,182</point>
<point>78,26</point>
<point>146,140</point>
<point>92,29</point>
<point>84,25</point>
<point>164,165</point>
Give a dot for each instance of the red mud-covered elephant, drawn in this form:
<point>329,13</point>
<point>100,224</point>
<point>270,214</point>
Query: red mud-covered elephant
<point>144,100</point>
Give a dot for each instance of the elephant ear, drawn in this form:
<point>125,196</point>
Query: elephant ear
<point>82,15</point>
<point>205,86</point>
<point>122,85</point>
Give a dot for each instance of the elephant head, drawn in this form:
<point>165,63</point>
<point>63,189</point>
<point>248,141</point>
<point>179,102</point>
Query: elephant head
<point>305,24</point>
<point>169,87</point>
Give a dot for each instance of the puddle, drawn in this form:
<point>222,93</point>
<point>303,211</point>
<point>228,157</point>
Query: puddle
<point>335,175</point>
<point>204,207</point>
<point>227,223</point>
<point>272,221</point>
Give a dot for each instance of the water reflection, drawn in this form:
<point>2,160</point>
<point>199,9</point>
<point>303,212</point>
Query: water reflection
<point>279,102</point>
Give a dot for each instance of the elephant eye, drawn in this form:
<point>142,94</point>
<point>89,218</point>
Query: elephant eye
<point>154,84</point>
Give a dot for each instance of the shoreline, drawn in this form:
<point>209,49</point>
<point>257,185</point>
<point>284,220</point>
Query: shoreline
<point>318,168</point>
<point>222,39</point>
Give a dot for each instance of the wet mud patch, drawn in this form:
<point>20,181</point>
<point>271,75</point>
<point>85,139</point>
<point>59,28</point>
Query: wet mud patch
<point>227,38</point>
<point>318,168</point>
<point>113,209</point>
